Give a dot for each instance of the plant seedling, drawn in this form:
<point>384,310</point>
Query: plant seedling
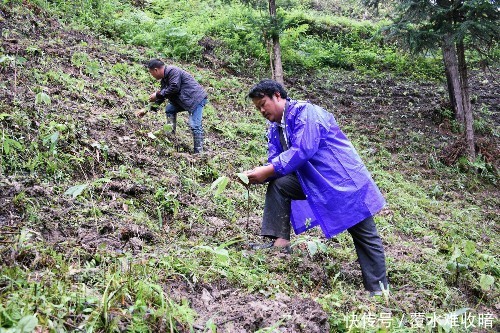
<point>244,180</point>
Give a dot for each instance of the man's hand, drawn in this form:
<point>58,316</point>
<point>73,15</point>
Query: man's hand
<point>140,113</point>
<point>152,97</point>
<point>260,174</point>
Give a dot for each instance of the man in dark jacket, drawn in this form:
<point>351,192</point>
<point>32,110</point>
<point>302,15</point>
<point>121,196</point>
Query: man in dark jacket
<point>316,177</point>
<point>184,94</point>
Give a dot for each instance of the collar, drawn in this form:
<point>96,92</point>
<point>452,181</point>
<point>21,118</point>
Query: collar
<point>283,118</point>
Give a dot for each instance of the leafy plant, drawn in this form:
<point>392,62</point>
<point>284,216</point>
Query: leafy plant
<point>52,140</point>
<point>314,245</point>
<point>76,190</point>
<point>465,258</point>
<point>244,180</point>
<point>166,201</point>
<point>42,97</point>
<point>219,185</point>
<point>9,144</point>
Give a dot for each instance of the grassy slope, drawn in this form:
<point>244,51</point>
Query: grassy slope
<point>146,219</point>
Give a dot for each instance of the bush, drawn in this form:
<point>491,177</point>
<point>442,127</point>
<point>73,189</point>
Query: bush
<point>309,41</point>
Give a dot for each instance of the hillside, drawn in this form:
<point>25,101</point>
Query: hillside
<point>107,225</point>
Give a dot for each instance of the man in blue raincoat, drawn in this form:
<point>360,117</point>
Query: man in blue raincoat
<point>316,178</point>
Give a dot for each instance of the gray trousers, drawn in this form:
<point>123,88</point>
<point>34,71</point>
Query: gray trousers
<point>276,224</point>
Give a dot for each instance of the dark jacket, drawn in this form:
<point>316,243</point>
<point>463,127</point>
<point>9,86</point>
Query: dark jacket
<point>181,89</point>
<point>339,189</point>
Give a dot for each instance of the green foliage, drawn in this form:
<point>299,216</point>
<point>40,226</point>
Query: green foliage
<point>244,178</point>
<point>468,262</point>
<point>236,35</point>
<point>313,244</point>
<point>423,24</point>
<point>219,185</point>
<point>83,13</point>
<point>42,97</point>
<point>167,201</point>
<point>76,190</point>
<point>9,144</point>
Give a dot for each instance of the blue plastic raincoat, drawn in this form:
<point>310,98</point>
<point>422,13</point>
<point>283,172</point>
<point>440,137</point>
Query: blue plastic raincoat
<point>339,189</point>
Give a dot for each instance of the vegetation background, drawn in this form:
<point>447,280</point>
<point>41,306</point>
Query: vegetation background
<point>107,225</point>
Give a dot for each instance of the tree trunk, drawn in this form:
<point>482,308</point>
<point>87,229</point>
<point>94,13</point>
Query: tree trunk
<point>278,67</point>
<point>271,60</point>
<point>469,120</point>
<point>453,77</point>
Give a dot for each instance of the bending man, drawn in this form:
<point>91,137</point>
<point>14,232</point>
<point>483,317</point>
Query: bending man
<point>184,94</point>
<point>316,178</point>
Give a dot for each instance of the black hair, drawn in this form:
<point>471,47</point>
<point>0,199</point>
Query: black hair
<point>155,63</point>
<point>267,88</point>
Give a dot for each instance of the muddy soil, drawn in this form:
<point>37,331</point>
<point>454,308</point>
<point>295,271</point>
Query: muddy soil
<point>235,311</point>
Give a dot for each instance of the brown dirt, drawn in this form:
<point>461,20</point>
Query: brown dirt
<point>234,311</point>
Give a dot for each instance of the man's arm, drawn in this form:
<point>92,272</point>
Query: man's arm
<point>174,84</point>
<point>306,138</point>
<point>260,174</point>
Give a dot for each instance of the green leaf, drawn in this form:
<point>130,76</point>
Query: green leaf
<point>102,180</point>
<point>5,59</point>
<point>458,313</point>
<point>167,128</point>
<point>486,281</point>
<point>6,146</point>
<point>456,254</point>
<point>451,266</point>
<point>322,247</point>
<point>470,248</point>
<point>17,145</point>
<point>27,324</point>
<point>220,185</point>
<point>222,254</point>
<point>312,246</point>
<point>42,97</point>
<point>21,60</point>
<point>75,190</point>
<point>243,177</point>
<point>9,143</point>
<point>54,137</point>
<point>4,115</point>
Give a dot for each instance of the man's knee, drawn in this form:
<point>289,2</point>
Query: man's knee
<point>288,186</point>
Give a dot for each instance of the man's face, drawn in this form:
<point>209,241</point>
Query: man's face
<point>157,73</point>
<point>270,108</point>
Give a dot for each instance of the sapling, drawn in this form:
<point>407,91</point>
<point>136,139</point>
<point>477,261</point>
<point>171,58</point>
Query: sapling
<point>244,180</point>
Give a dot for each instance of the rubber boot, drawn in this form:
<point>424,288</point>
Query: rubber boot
<point>198,142</point>
<point>172,120</point>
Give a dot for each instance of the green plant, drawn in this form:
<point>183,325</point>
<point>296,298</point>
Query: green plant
<point>219,185</point>
<point>42,97</point>
<point>466,259</point>
<point>51,140</point>
<point>314,245</point>
<point>76,190</point>
<point>166,201</point>
<point>244,180</point>
<point>9,144</point>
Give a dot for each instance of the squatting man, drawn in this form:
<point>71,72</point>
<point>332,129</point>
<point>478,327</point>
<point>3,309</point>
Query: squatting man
<point>315,177</point>
<point>184,93</point>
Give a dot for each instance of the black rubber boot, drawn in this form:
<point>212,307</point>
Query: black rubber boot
<point>198,142</point>
<point>172,120</point>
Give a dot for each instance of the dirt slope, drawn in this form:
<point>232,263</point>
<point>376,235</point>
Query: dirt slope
<point>129,174</point>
